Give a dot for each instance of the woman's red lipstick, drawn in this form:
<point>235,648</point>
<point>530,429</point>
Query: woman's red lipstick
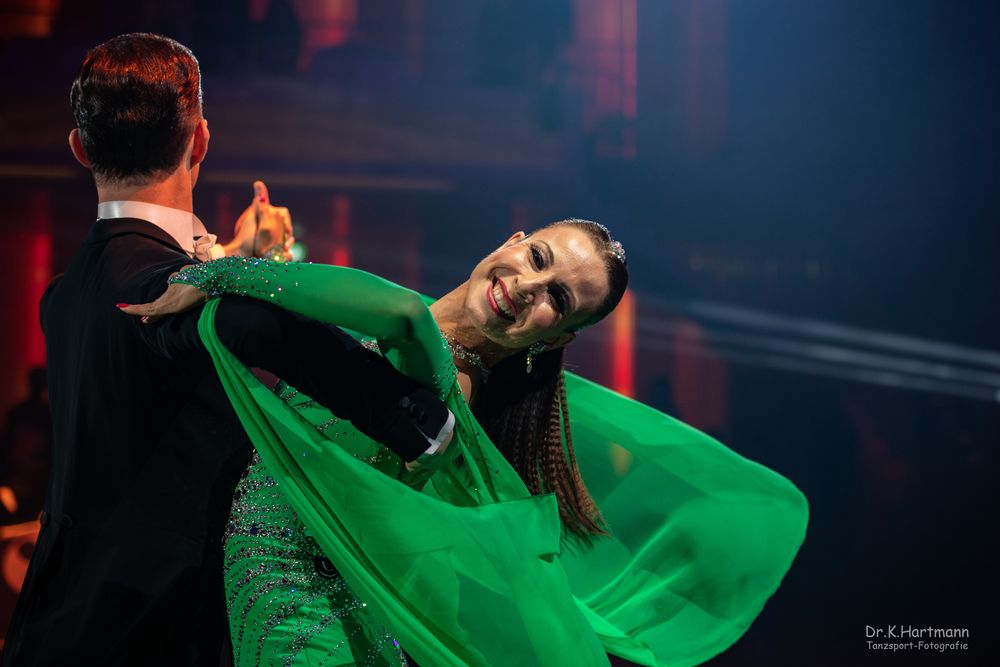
<point>492,300</point>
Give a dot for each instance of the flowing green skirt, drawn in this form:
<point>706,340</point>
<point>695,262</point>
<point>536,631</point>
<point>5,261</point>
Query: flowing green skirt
<point>701,536</point>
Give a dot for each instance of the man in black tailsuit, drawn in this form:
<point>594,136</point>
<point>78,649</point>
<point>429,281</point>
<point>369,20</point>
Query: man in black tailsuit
<point>147,450</point>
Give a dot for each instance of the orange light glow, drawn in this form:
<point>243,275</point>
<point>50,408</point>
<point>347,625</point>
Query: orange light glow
<point>623,345</point>
<point>13,556</point>
<point>8,499</point>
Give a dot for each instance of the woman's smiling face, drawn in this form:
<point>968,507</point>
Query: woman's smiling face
<point>537,287</point>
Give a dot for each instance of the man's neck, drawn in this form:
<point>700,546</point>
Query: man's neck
<point>174,192</point>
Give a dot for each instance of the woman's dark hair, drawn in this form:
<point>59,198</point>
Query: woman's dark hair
<point>136,100</point>
<point>527,417</point>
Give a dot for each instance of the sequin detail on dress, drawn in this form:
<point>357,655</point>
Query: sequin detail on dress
<point>287,603</point>
<point>245,276</point>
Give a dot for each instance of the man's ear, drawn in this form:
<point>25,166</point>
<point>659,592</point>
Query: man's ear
<point>199,146</point>
<point>76,147</point>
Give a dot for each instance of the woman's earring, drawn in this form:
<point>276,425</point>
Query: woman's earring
<point>535,348</point>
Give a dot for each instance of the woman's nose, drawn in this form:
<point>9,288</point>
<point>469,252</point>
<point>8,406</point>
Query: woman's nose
<point>528,288</point>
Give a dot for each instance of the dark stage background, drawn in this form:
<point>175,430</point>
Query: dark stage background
<point>808,193</point>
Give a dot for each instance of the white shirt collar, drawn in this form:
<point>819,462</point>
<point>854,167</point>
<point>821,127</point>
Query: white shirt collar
<point>183,226</point>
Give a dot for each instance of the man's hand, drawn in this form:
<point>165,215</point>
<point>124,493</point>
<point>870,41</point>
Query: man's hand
<point>428,461</point>
<point>417,473</point>
<point>262,229</point>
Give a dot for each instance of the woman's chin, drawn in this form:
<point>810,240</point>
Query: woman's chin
<point>482,317</point>
<point>489,323</point>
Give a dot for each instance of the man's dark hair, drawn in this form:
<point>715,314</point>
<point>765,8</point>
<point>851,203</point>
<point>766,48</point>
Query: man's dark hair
<point>136,100</point>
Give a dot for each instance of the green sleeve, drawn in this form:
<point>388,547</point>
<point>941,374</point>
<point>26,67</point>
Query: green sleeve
<point>339,295</point>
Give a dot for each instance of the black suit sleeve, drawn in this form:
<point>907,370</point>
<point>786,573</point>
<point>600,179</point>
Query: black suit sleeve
<point>323,361</point>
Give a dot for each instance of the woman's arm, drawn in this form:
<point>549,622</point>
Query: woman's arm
<point>338,295</point>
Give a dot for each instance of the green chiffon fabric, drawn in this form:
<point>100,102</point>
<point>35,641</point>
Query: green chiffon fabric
<point>470,571</point>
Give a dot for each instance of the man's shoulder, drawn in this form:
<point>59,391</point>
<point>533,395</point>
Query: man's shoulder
<point>132,231</point>
<point>125,256</point>
<point>128,247</point>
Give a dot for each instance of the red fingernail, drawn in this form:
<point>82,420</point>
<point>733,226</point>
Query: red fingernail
<point>144,319</point>
<point>260,198</point>
<point>122,305</point>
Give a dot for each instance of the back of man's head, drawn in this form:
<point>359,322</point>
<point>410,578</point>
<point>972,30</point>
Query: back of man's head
<point>136,100</point>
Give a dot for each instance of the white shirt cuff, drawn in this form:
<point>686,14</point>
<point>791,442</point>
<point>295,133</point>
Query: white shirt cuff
<point>446,430</point>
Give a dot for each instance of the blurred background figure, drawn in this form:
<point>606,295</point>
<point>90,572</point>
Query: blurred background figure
<point>25,452</point>
<point>25,457</point>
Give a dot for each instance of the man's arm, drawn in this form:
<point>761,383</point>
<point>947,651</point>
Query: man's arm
<point>324,362</point>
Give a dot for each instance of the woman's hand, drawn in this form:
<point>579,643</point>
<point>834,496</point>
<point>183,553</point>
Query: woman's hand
<point>261,227</point>
<point>178,298</point>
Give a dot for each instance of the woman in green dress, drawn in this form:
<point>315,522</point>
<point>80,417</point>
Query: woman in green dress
<point>492,551</point>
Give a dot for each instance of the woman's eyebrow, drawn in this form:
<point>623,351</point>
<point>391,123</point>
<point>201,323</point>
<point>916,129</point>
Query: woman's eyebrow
<point>552,260</point>
<point>548,248</point>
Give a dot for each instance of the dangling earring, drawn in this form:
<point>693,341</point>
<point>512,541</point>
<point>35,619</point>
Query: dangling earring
<point>535,348</point>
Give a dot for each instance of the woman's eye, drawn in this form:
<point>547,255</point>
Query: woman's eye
<point>537,257</point>
<point>560,300</point>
